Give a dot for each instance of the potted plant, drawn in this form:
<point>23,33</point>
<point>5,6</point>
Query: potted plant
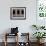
<point>38,27</point>
<point>35,26</point>
<point>39,35</point>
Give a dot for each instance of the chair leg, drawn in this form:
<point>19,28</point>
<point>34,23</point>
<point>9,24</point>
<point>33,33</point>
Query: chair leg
<point>5,39</point>
<point>5,43</point>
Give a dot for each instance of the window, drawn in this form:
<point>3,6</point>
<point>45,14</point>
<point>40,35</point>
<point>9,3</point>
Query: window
<point>41,8</point>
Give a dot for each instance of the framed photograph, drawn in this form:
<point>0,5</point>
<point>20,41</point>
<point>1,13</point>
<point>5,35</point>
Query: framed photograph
<point>18,13</point>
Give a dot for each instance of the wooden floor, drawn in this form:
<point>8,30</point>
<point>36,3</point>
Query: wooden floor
<point>13,44</point>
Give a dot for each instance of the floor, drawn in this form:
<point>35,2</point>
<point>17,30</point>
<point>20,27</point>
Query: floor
<point>13,44</point>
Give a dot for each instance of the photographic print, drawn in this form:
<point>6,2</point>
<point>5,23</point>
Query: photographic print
<point>18,13</point>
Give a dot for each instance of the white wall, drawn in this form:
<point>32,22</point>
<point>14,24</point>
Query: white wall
<point>24,25</point>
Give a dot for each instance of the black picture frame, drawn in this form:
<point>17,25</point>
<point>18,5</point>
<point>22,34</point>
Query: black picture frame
<point>17,13</point>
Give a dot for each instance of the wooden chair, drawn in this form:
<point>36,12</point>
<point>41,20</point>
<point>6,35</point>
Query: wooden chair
<point>7,34</point>
<point>27,37</point>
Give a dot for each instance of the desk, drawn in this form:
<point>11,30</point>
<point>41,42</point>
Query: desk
<point>8,35</point>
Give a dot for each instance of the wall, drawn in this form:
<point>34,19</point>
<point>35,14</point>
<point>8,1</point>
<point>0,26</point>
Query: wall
<point>24,25</point>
